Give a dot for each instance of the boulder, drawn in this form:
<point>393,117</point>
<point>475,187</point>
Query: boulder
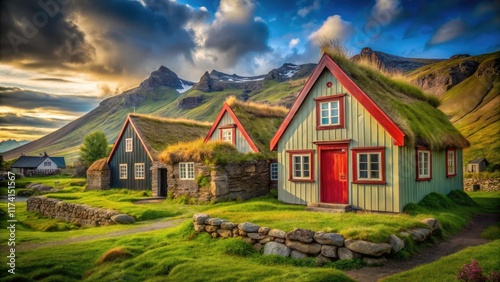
<point>225,233</point>
<point>273,248</point>
<point>329,251</point>
<point>211,228</point>
<point>265,240</point>
<point>256,236</point>
<point>214,234</point>
<point>302,235</point>
<point>214,221</point>
<point>374,261</point>
<point>431,222</point>
<point>322,259</point>
<point>312,248</point>
<point>264,230</point>
<point>122,219</point>
<point>226,225</point>
<point>280,240</point>
<point>248,227</point>
<point>199,227</point>
<point>420,234</point>
<point>345,253</point>
<point>249,240</point>
<point>368,248</point>
<point>396,243</point>
<point>297,255</point>
<point>277,233</point>
<point>333,239</point>
<point>200,218</point>
<point>257,247</point>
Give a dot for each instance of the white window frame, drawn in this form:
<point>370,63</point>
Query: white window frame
<point>328,111</point>
<point>129,145</point>
<point>138,172</point>
<point>302,169</point>
<point>273,171</point>
<point>424,167</point>
<point>451,163</point>
<point>186,171</point>
<point>369,166</point>
<point>227,135</point>
<point>123,171</point>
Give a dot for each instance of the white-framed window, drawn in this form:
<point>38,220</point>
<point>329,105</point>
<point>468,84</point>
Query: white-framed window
<point>424,161</point>
<point>329,113</point>
<point>301,166</point>
<point>451,162</point>
<point>186,171</point>
<point>128,145</point>
<point>47,163</point>
<point>369,165</point>
<point>227,135</point>
<point>139,171</point>
<point>123,171</point>
<point>273,171</point>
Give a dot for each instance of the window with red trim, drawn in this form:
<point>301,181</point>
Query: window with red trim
<point>424,164</point>
<point>227,133</point>
<point>301,166</point>
<point>451,162</point>
<point>330,112</point>
<point>368,165</point>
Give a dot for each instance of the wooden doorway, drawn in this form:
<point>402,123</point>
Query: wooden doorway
<point>333,174</point>
<point>162,182</point>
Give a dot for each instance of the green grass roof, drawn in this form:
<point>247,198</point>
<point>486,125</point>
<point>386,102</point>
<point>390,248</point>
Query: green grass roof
<point>158,133</point>
<point>261,121</point>
<point>413,111</point>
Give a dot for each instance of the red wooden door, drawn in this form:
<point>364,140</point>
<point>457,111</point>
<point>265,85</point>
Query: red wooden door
<point>333,175</point>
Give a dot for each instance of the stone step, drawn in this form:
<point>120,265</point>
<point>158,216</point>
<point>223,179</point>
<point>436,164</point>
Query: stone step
<point>344,207</point>
<point>327,210</point>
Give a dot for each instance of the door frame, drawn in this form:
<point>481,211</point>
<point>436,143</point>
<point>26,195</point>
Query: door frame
<point>162,182</point>
<point>328,146</point>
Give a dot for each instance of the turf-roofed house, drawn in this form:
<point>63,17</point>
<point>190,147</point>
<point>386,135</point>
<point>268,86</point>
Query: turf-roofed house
<point>358,139</point>
<point>38,165</point>
<point>133,162</point>
<point>234,160</point>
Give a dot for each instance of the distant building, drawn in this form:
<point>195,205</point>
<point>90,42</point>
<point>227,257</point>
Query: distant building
<point>41,165</point>
<point>477,165</point>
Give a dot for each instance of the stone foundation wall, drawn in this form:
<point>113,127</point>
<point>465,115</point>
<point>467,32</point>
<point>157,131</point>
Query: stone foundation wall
<point>486,184</point>
<point>98,180</point>
<point>223,182</point>
<point>301,243</point>
<point>70,212</point>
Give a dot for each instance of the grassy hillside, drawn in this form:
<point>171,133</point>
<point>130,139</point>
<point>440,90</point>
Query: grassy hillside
<point>473,104</point>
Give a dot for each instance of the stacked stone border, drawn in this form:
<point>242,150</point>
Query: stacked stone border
<point>301,243</point>
<point>75,213</point>
<point>485,184</point>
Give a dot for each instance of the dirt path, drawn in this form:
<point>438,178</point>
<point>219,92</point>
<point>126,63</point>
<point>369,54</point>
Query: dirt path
<point>144,228</point>
<point>466,238</point>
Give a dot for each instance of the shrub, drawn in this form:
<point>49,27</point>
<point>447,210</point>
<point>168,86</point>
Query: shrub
<point>436,201</point>
<point>462,199</point>
<point>203,181</point>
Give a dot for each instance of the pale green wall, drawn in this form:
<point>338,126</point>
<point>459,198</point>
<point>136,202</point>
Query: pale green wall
<point>241,143</point>
<point>364,131</point>
<point>413,191</point>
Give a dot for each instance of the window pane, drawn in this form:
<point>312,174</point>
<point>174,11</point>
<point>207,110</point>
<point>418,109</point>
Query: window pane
<point>363,174</point>
<point>363,166</point>
<point>324,106</point>
<point>374,158</point>
<point>334,120</point>
<point>373,166</point>
<point>335,112</point>
<point>363,157</point>
<point>324,121</point>
<point>374,174</point>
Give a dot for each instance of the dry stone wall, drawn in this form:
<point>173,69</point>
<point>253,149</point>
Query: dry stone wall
<point>485,184</point>
<point>301,243</point>
<point>75,213</point>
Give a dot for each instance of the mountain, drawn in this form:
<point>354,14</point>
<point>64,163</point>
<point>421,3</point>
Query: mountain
<point>391,63</point>
<point>10,144</point>
<point>163,93</point>
<point>469,89</point>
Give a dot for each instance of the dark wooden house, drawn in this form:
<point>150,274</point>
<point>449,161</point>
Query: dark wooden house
<point>133,162</point>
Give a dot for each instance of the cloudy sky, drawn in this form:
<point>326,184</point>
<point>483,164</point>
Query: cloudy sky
<point>60,58</point>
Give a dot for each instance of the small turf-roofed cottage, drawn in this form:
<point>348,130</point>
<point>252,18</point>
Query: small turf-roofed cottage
<point>133,162</point>
<point>357,138</point>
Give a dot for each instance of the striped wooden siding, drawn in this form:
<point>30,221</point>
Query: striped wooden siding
<point>241,143</point>
<point>364,131</point>
<point>138,155</point>
<point>413,191</point>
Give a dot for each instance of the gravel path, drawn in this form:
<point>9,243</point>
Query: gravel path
<point>144,228</point>
<point>469,236</point>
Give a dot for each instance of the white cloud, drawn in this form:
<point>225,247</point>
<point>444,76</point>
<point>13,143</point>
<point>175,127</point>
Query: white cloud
<point>204,9</point>
<point>382,6</point>
<point>333,28</point>
<point>259,19</point>
<point>294,42</point>
<point>308,9</point>
<point>236,11</point>
<point>448,31</point>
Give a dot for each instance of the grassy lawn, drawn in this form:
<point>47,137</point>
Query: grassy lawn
<point>447,268</point>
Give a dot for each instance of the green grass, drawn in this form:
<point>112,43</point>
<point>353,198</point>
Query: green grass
<point>489,201</point>
<point>491,233</point>
<point>447,268</point>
